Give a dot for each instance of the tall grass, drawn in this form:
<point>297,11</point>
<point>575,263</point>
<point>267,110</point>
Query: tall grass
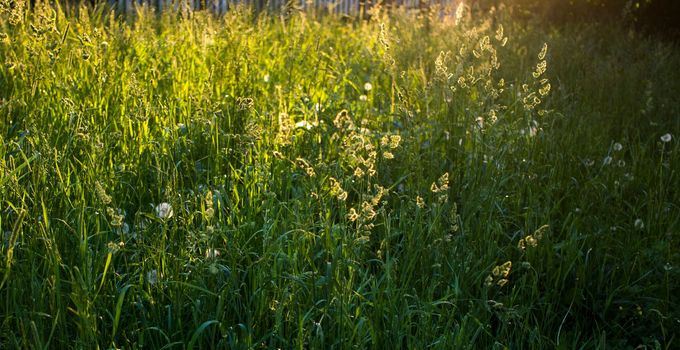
<point>301,182</point>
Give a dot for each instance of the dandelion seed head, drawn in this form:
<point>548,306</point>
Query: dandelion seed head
<point>639,224</point>
<point>164,211</point>
<point>617,147</point>
<point>666,138</point>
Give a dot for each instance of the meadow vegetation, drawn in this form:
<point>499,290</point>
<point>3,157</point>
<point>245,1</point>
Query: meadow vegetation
<point>301,181</point>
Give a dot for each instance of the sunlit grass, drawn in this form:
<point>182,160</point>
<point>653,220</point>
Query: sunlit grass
<point>407,181</point>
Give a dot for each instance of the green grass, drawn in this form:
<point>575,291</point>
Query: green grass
<point>444,207</point>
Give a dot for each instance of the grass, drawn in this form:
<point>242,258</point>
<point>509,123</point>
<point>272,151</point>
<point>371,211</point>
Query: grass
<point>233,182</point>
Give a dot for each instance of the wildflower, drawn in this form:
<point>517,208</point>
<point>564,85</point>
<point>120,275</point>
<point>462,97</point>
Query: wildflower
<point>363,98</point>
<point>488,281</point>
<point>443,182</point>
<point>304,125</point>
<point>367,210</point>
<point>368,86</point>
<point>460,13</point>
<point>501,282</point>
<point>544,51</point>
<point>164,211</point>
<point>381,191</point>
<point>278,155</point>
<point>101,193</point>
<point>394,141</point>
<point>113,247</point>
<point>152,276</point>
<point>639,224</point>
<point>666,138</point>
<point>266,78</point>
<point>617,147</point>
<point>494,304</point>
<point>352,215</point>
<point>622,163</point>
<point>116,218</point>
<point>358,172</point>
<point>502,270</point>
<point>420,202</point>
<point>211,253</point>
<point>336,189</point>
<point>607,160</point>
<point>371,170</point>
<point>531,241</point>
<point>388,155</point>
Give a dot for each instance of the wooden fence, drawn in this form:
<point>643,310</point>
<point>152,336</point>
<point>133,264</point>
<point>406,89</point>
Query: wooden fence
<point>347,7</point>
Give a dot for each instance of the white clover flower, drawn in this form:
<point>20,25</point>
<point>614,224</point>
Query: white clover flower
<point>152,276</point>
<point>317,107</point>
<point>368,86</point>
<point>363,98</point>
<point>617,147</point>
<point>266,78</point>
<point>639,224</point>
<point>666,138</point>
<point>164,210</point>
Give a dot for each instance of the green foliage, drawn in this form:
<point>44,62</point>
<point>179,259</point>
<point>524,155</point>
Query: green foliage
<point>302,182</point>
